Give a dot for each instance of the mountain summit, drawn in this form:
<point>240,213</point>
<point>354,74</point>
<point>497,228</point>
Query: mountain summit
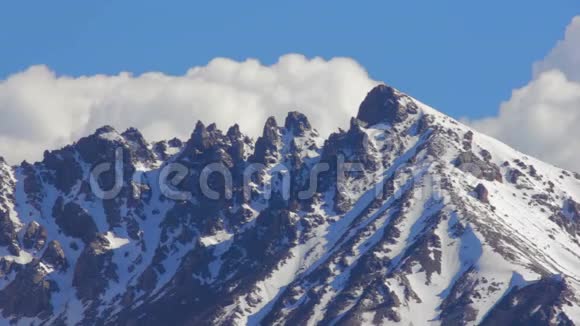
<point>408,217</point>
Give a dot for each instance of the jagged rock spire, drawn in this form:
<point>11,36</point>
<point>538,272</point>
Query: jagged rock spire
<point>140,148</point>
<point>175,142</point>
<point>270,132</point>
<point>297,123</point>
<point>134,135</point>
<point>236,138</point>
<point>234,132</point>
<point>267,143</point>
<point>200,138</point>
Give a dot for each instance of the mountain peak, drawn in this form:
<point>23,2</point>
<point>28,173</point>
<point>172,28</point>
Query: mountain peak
<point>297,123</point>
<point>106,133</point>
<point>133,134</point>
<point>104,130</point>
<point>234,131</point>
<point>199,140</point>
<point>270,123</point>
<point>383,105</point>
<point>270,129</point>
<point>199,127</point>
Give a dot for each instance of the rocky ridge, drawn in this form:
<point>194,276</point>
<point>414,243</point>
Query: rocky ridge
<point>436,218</point>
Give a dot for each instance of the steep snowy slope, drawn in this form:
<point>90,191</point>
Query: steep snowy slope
<point>426,222</point>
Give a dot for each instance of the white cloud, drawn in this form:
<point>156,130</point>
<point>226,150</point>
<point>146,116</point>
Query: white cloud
<point>40,110</point>
<point>565,56</point>
<point>543,117</point>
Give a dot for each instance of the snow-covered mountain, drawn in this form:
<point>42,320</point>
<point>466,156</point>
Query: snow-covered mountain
<point>432,223</point>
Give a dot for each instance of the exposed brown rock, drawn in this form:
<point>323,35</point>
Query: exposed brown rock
<point>486,155</point>
<point>297,123</point>
<point>469,162</point>
<point>28,295</point>
<point>34,236</point>
<point>266,145</point>
<point>467,139</point>
<point>481,193</point>
<point>382,104</point>
<point>535,304</point>
<point>8,233</point>
<point>54,255</point>
<point>93,269</point>
<point>74,221</point>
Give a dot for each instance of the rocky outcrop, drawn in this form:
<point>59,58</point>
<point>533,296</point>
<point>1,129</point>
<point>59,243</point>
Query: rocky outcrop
<point>297,123</point>
<point>32,184</point>
<point>238,144</point>
<point>535,304</point>
<point>54,256</point>
<point>467,140</point>
<point>457,307</point>
<point>384,104</point>
<point>28,295</point>
<point>62,169</point>
<point>8,233</point>
<point>471,163</point>
<point>568,217</point>
<point>481,193</point>
<point>34,236</point>
<point>266,146</point>
<point>572,209</point>
<point>93,269</point>
<point>138,146</point>
<point>199,141</point>
<point>74,221</point>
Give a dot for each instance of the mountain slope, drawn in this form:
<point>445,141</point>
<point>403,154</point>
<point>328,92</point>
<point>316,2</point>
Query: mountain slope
<point>431,217</point>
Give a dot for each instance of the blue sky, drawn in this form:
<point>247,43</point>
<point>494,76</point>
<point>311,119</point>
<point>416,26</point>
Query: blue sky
<point>462,57</point>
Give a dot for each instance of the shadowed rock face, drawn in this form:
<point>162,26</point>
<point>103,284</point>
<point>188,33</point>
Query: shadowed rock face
<point>481,193</point>
<point>568,216</point>
<point>456,308</point>
<point>8,233</point>
<point>469,162</point>
<point>383,105</point>
<point>93,269</point>
<point>54,255</point>
<point>297,123</point>
<point>74,221</point>
<point>34,236</point>
<point>532,305</point>
<point>266,146</point>
<point>422,229</point>
<point>28,295</point>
